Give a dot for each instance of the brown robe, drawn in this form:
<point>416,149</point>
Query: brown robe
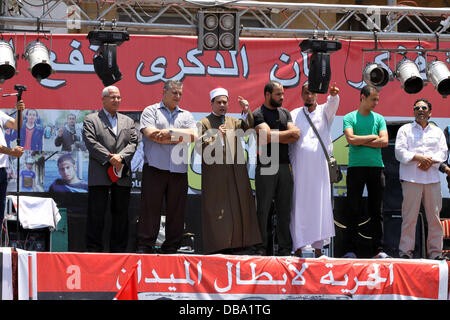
<point>228,206</point>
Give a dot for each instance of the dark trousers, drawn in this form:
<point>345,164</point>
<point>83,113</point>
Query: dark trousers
<point>3,188</point>
<point>157,184</point>
<point>277,187</point>
<point>98,199</point>
<point>374,179</point>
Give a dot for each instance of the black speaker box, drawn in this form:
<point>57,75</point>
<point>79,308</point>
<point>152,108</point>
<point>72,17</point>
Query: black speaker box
<point>319,72</point>
<point>393,197</point>
<point>392,223</point>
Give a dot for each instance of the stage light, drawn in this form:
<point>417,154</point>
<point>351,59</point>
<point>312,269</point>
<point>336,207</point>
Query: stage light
<point>218,30</point>
<point>375,75</point>
<point>319,62</point>
<point>317,45</point>
<point>105,62</point>
<point>409,76</point>
<point>439,75</point>
<point>38,57</point>
<point>319,72</point>
<point>211,21</point>
<point>7,61</point>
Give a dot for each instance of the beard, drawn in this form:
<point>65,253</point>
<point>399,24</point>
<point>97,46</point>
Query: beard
<point>308,105</point>
<point>275,104</point>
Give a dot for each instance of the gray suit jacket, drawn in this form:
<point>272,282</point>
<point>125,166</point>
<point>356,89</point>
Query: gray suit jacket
<point>100,141</point>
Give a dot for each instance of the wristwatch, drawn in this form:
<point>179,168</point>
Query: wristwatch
<point>171,132</point>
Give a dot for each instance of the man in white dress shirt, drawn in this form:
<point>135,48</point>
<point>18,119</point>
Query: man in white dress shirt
<point>420,147</point>
<point>312,220</point>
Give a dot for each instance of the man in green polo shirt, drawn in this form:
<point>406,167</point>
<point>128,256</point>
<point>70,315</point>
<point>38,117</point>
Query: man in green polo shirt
<point>366,134</point>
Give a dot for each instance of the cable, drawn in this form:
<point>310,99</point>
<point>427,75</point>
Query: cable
<point>346,59</point>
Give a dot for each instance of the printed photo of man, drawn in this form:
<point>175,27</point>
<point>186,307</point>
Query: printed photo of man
<point>69,181</point>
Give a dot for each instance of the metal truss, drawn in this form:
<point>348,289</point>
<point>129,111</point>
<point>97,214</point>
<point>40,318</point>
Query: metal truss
<point>258,19</point>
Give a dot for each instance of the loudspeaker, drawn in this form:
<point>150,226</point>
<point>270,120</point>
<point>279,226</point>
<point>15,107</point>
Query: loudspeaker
<point>392,223</point>
<point>393,197</point>
<point>319,72</point>
<point>193,222</point>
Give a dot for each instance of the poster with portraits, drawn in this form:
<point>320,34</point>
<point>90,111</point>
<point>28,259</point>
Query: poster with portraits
<point>55,157</point>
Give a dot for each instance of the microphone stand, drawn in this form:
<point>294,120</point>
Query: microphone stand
<point>19,89</point>
<point>19,128</point>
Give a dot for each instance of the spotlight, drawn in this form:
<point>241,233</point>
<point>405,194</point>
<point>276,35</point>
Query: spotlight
<point>218,30</point>
<point>38,58</point>
<point>374,74</point>
<point>319,72</point>
<point>99,37</point>
<point>7,61</point>
<point>439,75</point>
<point>409,76</point>
<point>319,62</point>
<point>105,62</point>
<point>316,45</point>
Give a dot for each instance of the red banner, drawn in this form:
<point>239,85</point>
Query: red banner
<point>147,61</point>
<point>178,277</point>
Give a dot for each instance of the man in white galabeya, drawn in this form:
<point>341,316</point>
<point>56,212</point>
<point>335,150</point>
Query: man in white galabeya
<point>312,222</point>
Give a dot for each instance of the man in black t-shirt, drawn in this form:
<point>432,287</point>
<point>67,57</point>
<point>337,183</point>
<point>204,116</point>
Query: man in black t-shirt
<point>273,176</point>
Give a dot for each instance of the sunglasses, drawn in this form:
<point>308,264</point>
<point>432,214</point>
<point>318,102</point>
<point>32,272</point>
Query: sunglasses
<point>424,108</point>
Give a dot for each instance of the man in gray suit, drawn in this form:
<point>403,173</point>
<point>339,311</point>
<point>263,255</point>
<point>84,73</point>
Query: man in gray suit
<point>111,140</point>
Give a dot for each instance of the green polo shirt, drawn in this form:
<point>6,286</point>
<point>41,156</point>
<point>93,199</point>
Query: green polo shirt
<point>363,156</point>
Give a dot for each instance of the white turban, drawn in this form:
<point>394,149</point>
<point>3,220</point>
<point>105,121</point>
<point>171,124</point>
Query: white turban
<point>218,92</point>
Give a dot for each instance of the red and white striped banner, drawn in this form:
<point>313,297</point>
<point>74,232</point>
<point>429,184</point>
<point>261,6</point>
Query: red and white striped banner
<point>6,274</point>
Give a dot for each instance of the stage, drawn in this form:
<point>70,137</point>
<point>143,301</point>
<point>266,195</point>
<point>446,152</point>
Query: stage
<point>30,275</point>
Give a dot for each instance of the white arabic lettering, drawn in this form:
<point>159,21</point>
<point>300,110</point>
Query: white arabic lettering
<point>329,278</point>
<point>76,64</point>
<point>292,82</point>
<point>299,274</point>
<point>159,65</point>
<point>172,279</point>
<point>254,279</point>
<point>371,284</point>
<point>139,272</point>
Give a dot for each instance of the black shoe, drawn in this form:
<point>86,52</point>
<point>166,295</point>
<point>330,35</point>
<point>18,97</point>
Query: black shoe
<point>440,257</point>
<point>382,255</point>
<point>246,251</point>
<point>405,256</point>
<point>349,255</point>
<point>167,250</point>
<point>284,252</point>
<point>298,253</point>
<point>145,250</point>
<point>259,250</point>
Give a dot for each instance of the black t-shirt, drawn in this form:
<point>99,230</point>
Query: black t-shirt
<point>275,119</point>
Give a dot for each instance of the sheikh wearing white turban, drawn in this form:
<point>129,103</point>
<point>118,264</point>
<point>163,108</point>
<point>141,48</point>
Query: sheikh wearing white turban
<point>218,92</point>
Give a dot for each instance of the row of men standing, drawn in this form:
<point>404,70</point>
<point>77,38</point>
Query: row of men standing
<point>232,222</point>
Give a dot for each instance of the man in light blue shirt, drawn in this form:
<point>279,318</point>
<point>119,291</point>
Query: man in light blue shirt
<point>167,132</point>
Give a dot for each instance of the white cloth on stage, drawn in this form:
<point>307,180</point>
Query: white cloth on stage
<point>312,213</point>
<point>37,212</point>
